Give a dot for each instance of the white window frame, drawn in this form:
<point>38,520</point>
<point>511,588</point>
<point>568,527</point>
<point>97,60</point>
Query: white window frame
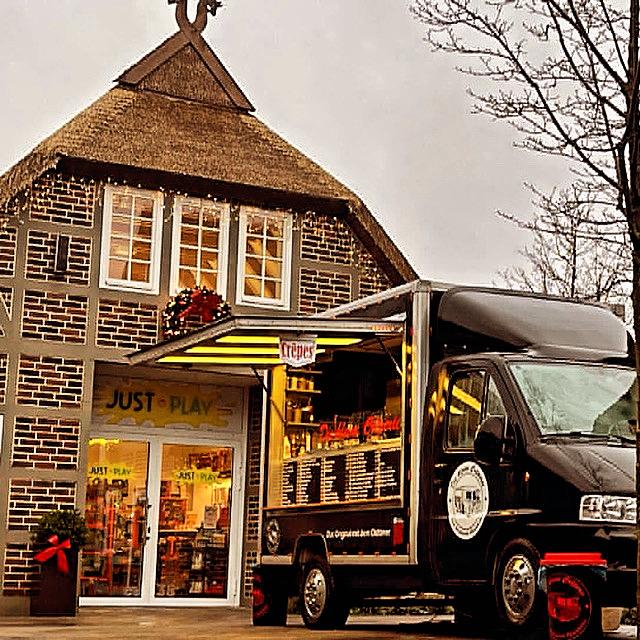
<point>257,301</point>
<point>223,244</point>
<point>153,286</point>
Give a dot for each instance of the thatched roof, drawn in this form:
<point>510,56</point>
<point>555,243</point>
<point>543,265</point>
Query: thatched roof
<point>179,111</point>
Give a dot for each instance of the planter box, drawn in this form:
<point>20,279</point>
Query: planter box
<point>56,593</point>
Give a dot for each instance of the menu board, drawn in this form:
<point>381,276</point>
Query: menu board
<point>361,475</point>
<point>342,477</point>
<point>388,476</point>
<point>289,482</point>
<point>308,490</point>
<point>333,475</point>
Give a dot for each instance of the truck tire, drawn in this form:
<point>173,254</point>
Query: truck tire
<point>519,604</point>
<point>270,601</point>
<point>320,602</point>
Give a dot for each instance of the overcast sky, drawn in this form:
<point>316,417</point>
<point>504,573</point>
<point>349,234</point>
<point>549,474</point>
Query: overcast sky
<point>348,82</point>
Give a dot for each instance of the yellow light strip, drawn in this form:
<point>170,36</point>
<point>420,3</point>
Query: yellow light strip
<point>338,342</point>
<point>256,351</point>
<point>233,350</point>
<point>327,342</point>
<point>467,399</point>
<point>218,360</point>
<point>249,339</point>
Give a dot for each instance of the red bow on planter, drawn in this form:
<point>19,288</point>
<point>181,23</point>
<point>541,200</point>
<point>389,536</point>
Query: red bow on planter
<point>56,549</point>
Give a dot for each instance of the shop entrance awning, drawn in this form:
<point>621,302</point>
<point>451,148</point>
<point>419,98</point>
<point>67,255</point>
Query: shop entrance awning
<point>254,341</point>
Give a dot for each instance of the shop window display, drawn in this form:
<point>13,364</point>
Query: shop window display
<point>336,428</point>
<point>116,511</point>
<point>193,527</point>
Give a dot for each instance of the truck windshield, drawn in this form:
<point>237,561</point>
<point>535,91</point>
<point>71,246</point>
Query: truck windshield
<point>579,399</point>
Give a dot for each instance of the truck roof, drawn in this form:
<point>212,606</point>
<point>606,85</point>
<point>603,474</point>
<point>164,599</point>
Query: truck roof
<point>475,319</point>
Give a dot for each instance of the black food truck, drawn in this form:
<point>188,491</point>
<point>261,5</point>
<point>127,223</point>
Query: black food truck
<point>440,439</point>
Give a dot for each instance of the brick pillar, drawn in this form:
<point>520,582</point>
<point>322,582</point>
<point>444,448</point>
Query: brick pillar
<point>252,493</point>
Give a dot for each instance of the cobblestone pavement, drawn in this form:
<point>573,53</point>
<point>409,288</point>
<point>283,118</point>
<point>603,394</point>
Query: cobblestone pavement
<point>225,624</point>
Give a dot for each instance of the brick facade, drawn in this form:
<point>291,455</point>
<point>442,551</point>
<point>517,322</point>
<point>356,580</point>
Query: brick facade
<point>372,279</point>
<point>62,199</point>
<point>58,317</point>
<point>41,248</point>
<point>8,237</point>
<point>45,443</point>
<point>4,364</point>
<point>252,491</point>
<point>63,323</point>
<point>49,382</point>
<point>30,498</point>
<point>335,267</point>
<point>320,290</point>
<point>326,239</point>
<point>20,571</point>
<point>127,325</point>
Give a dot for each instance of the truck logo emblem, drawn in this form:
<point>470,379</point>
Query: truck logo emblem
<point>467,500</point>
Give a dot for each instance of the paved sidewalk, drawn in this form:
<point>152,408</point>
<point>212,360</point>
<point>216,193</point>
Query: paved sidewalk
<point>224,624</point>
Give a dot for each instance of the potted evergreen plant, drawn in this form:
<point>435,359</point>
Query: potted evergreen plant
<point>58,538</point>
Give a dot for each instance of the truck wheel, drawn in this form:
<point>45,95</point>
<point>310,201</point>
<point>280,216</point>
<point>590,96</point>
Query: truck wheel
<point>321,606</point>
<point>518,602</point>
<point>270,601</point>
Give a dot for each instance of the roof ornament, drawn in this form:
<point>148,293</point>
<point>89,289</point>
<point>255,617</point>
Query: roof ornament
<point>200,22</point>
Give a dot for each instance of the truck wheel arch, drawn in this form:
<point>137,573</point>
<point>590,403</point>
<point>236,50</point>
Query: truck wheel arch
<point>310,546</point>
<point>498,543</point>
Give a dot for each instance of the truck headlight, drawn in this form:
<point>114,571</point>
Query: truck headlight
<point>597,508</point>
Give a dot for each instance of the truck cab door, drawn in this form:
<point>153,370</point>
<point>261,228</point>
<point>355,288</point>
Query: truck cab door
<point>469,498</point>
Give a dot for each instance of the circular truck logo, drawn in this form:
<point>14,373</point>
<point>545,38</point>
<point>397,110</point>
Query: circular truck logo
<point>467,500</point>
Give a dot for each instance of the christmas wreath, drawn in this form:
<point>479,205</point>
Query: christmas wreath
<point>191,301</point>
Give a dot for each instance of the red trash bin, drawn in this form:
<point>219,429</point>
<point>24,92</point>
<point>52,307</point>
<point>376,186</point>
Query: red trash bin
<point>573,583</point>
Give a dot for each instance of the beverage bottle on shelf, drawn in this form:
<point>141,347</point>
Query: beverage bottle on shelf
<point>306,413</point>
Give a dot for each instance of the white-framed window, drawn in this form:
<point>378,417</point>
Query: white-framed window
<point>131,239</point>
<point>200,245</point>
<point>264,258</point>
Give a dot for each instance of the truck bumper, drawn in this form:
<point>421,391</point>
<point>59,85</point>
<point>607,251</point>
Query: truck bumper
<point>620,551</point>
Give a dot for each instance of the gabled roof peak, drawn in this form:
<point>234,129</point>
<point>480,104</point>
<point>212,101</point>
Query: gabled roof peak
<point>184,66</point>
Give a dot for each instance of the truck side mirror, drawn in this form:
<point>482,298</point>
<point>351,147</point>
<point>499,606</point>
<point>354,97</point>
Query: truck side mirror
<point>489,440</point>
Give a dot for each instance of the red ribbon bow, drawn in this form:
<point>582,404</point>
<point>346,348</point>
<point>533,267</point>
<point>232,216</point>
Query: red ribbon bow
<point>203,303</point>
<point>56,549</point>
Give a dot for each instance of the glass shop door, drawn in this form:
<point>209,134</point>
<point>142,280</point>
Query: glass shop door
<point>192,559</point>
<point>116,512</point>
<point>164,522</point>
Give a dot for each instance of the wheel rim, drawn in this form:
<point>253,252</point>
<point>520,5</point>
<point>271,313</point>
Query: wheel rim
<point>519,587</point>
<point>314,593</point>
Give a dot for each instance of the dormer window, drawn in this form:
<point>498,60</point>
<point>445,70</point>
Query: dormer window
<point>264,258</point>
<point>131,239</point>
<point>200,244</point>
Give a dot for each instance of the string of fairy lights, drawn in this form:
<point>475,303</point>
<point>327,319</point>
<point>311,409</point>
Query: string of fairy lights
<point>326,233</point>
